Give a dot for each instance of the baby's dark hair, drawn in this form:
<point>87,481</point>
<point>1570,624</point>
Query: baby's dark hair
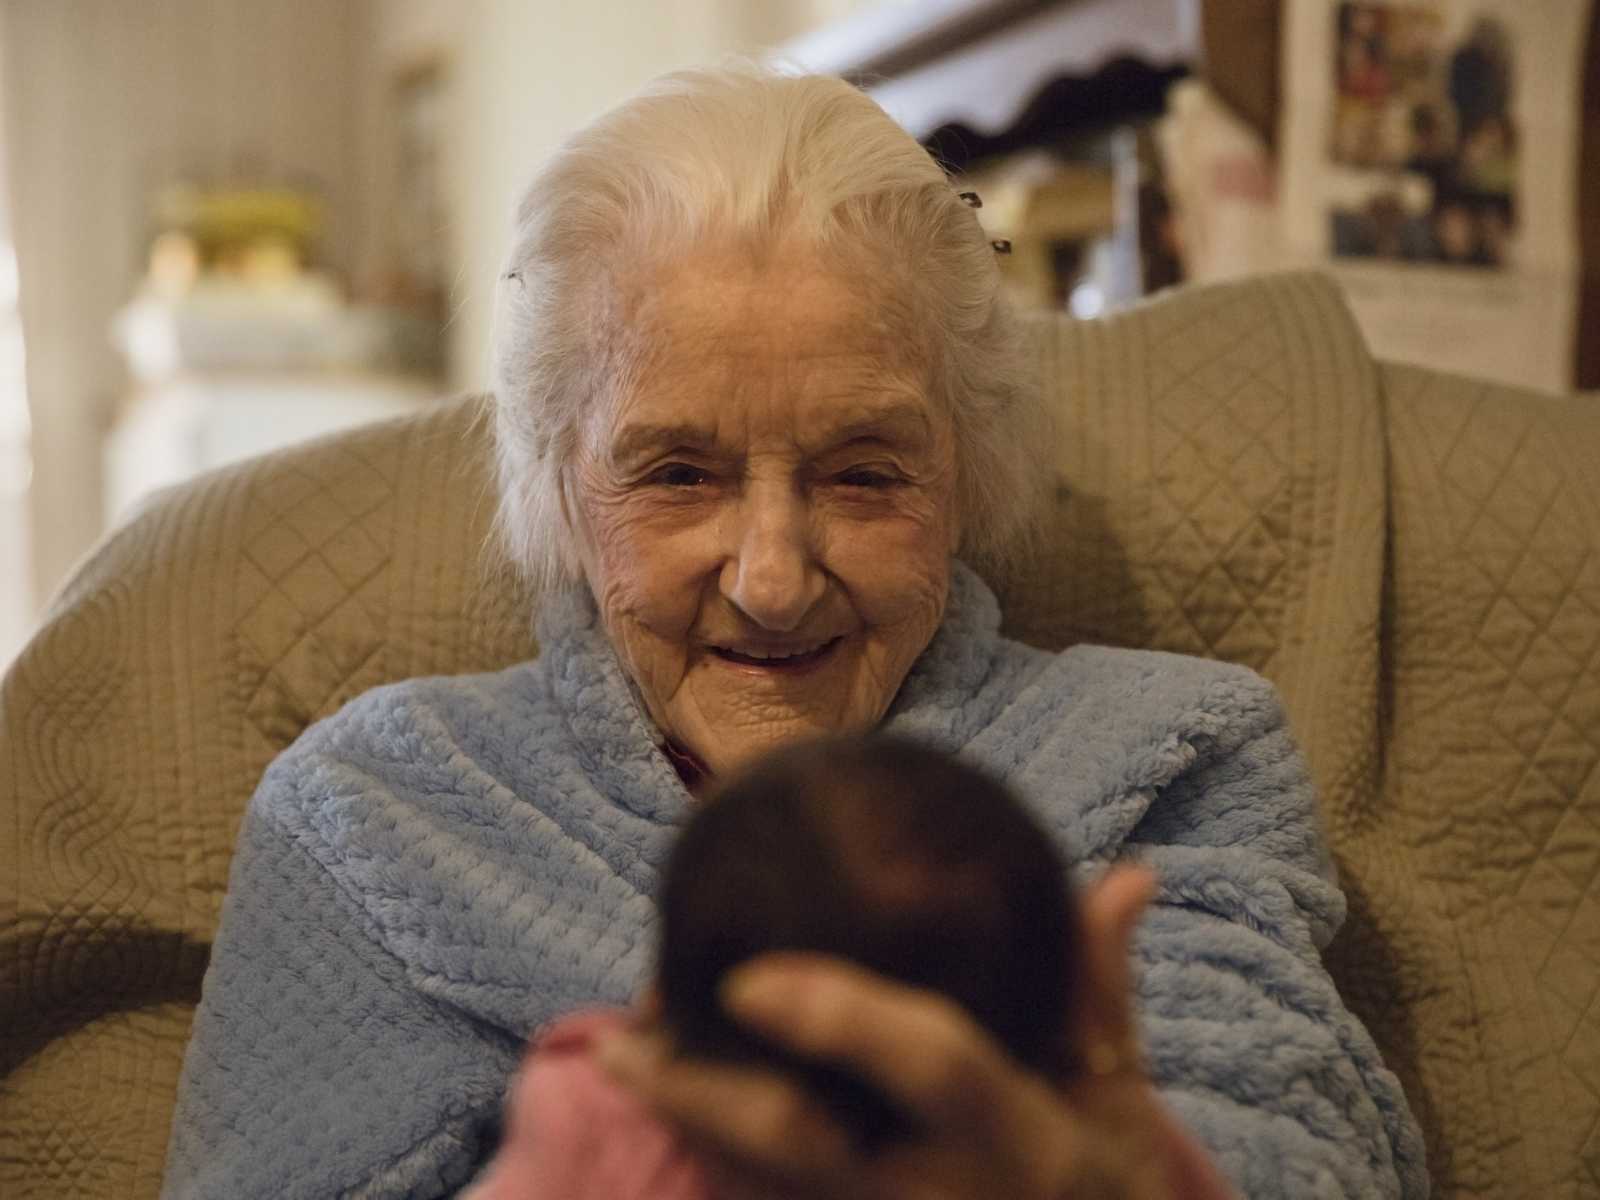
<point>880,851</point>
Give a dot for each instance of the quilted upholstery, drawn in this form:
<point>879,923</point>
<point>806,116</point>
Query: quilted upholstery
<point>1481,871</point>
<point>1415,560</point>
<point>190,649</point>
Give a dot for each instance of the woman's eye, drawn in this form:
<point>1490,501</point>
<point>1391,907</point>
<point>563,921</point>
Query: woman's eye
<point>866,477</point>
<point>678,475</point>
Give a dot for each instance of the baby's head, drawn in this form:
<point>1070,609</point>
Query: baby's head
<point>876,850</point>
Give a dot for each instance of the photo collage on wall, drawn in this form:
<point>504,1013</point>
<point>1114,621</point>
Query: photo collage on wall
<point>1423,140</point>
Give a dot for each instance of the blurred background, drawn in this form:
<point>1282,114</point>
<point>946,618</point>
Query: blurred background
<point>226,225</point>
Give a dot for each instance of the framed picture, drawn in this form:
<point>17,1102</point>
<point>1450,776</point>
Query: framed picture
<point>1430,156</point>
<point>1424,122</point>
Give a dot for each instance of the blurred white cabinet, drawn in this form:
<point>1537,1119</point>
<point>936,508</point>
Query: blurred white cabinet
<point>194,422</point>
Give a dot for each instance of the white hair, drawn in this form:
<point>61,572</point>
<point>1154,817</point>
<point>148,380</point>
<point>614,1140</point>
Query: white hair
<point>744,156</point>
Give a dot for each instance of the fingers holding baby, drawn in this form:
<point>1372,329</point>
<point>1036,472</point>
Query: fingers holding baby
<point>873,981</point>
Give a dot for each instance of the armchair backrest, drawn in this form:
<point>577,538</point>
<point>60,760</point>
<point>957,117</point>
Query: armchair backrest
<point>1475,878</point>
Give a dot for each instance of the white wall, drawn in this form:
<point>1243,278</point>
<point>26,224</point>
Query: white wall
<point>103,100</point>
<point>531,73</point>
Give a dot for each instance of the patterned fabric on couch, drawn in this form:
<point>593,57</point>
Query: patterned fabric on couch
<point>1415,560</point>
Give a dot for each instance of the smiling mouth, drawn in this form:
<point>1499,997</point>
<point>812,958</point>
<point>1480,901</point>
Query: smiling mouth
<point>777,658</point>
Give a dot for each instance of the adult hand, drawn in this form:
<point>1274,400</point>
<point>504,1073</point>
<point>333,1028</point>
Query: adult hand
<point>992,1127</point>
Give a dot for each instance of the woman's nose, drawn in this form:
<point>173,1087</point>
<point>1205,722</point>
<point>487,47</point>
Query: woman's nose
<point>771,573</point>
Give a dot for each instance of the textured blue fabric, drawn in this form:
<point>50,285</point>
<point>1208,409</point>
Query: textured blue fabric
<point>428,875</point>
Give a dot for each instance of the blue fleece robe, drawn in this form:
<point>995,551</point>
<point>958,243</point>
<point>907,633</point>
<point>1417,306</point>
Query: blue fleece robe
<point>446,863</point>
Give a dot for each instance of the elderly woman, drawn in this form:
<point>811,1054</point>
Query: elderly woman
<point>757,401</point>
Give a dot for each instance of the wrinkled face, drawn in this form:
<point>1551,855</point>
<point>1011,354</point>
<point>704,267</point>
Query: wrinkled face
<point>766,516</point>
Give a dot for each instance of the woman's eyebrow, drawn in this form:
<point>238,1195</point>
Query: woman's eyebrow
<point>896,421</point>
<point>636,440</point>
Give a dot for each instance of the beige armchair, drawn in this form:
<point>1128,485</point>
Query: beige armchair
<point>1414,559</point>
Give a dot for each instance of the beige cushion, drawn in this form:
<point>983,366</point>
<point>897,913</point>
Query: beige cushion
<point>190,649</point>
<point>1222,491</point>
<point>1478,864</point>
<point>1226,491</point>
